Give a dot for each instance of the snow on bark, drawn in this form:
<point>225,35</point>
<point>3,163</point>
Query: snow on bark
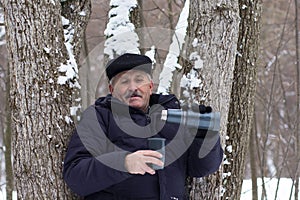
<point>70,69</point>
<point>121,37</point>
<point>2,29</point>
<point>151,55</point>
<point>171,62</point>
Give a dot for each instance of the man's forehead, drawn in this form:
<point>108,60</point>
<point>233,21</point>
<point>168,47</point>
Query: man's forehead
<point>131,73</point>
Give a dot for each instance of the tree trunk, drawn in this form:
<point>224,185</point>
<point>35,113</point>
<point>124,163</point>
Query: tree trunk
<point>7,142</point>
<point>42,93</point>
<point>253,152</point>
<point>297,174</point>
<point>212,43</point>
<point>242,99</point>
<point>136,17</point>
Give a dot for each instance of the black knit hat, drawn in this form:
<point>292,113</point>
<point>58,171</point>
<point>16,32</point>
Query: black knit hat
<point>126,62</point>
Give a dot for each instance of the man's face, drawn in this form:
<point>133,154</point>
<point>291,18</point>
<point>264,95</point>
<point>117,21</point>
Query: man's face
<point>132,87</point>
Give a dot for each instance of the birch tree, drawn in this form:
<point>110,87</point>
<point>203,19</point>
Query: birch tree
<point>43,48</point>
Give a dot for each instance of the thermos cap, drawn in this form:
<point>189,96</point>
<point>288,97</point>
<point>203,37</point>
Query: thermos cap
<point>164,115</point>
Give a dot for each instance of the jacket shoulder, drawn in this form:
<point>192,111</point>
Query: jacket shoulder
<point>168,101</point>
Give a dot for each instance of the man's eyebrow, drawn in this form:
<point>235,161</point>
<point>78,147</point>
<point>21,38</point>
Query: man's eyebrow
<point>141,75</point>
<point>124,77</point>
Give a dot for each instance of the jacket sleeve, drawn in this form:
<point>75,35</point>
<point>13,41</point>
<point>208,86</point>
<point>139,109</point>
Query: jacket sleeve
<point>205,155</point>
<point>91,164</point>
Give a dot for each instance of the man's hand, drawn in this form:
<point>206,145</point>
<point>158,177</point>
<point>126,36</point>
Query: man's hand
<point>197,108</point>
<point>136,162</point>
<point>201,108</point>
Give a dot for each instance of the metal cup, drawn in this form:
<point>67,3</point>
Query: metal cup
<point>157,144</point>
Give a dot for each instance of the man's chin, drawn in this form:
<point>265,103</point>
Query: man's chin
<point>135,100</point>
<point>135,104</point>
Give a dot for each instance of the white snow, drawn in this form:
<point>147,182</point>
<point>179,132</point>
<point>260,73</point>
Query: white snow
<point>195,42</point>
<point>171,62</point>
<point>196,58</point>
<point>244,7</point>
<point>151,54</point>
<point>119,29</point>
<point>70,69</point>
<point>226,162</point>
<point>82,13</point>
<point>284,189</point>
<point>190,80</point>
<point>226,174</point>
<point>229,148</point>
<point>51,80</point>
<point>74,109</point>
<point>2,30</point>
<point>47,50</point>
<point>68,119</point>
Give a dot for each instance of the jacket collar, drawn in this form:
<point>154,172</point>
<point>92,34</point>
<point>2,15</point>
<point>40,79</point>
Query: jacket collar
<point>154,99</point>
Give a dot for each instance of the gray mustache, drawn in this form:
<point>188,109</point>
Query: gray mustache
<point>133,94</point>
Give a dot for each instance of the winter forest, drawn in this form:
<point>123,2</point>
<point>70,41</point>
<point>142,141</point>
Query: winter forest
<point>241,57</point>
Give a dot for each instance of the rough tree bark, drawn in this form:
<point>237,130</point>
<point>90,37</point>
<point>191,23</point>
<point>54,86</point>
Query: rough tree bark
<point>40,104</point>
<point>242,98</point>
<point>212,40</point>
<point>253,153</point>
<point>7,142</point>
<point>297,175</point>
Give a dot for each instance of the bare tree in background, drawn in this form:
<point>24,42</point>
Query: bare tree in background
<point>42,91</point>
<point>276,113</point>
<point>297,132</point>
<point>242,99</point>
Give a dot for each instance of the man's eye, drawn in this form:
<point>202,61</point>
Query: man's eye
<point>124,81</point>
<point>139,80</point>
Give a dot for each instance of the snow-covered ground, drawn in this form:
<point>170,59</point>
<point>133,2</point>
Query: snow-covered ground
<point>3,194</point>
<point>283,193</point>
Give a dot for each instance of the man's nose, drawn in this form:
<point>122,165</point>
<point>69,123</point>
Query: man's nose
<point>132,86</point>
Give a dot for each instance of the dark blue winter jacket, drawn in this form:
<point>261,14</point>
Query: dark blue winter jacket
<point>109,130</point>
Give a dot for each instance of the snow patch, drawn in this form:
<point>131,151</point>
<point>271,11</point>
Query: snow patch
<point>226,174</point>
<point>82,13</point>
<point>229,148</point>
<point>198,62</point>
<point>74,109</point>
<point>195,42</point>
<point>119,30</point>
<point>70,69</point>
<point>284,188</point>
<point>171,62</point>
<point>2,29</point>
<point>151,54</point>
<point>68,119</point>
<point>226,162</point>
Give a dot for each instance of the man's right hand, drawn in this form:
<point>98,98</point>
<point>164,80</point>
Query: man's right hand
<point>136,162</point>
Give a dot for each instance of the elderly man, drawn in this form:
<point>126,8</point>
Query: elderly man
<point>108,157</point>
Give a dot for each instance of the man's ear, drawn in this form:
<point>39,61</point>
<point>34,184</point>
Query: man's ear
<point>151,86</point>
<point>111,88</point>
